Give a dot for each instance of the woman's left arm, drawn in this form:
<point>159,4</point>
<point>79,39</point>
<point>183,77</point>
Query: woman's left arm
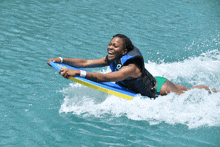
<point>128,71</point>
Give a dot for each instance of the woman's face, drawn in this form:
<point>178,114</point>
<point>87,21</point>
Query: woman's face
<point>115,49</point>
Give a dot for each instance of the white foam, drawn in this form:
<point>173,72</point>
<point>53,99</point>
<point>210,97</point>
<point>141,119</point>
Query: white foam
<point>194,108</point>
<point>204,69</point>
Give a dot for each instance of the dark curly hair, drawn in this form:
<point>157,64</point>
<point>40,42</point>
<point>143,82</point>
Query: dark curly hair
<point>127,42</point>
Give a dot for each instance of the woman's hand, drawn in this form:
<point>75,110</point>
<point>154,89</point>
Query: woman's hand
<point>54,60</point>
<point>67,73</point>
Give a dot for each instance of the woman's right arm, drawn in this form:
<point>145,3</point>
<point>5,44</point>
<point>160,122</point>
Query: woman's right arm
<point>81,62</point>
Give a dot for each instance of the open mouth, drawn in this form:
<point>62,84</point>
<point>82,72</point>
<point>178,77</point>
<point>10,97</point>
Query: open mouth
<point>110,53</point>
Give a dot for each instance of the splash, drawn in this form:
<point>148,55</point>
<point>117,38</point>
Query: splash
<point>204,70</point>
<point>194,108</point>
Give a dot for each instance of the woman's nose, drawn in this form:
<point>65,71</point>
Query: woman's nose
<point>109,48</point>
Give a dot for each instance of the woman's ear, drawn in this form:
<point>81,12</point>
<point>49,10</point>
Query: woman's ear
<point>125,51</point>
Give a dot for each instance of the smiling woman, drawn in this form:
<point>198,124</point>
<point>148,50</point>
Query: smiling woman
<point>120,43</point>
<point>127,65</point>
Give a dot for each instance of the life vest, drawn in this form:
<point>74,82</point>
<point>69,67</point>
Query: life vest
<point>143,84</point>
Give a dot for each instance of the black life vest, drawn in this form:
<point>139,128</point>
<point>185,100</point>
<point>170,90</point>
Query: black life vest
<point>143,84</point>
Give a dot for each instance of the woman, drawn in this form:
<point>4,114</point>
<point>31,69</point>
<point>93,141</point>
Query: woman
<point>127,65</point>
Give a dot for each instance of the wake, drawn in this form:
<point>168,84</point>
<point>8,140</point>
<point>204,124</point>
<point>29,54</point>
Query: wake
<point>194,108</point>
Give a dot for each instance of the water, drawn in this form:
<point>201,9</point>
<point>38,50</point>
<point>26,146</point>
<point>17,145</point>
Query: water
<point>180,40</point>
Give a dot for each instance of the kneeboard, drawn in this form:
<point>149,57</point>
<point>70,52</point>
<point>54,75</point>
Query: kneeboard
<point>107,87</point>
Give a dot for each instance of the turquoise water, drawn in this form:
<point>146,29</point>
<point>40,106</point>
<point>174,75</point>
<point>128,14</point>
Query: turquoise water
<point>180,40</point>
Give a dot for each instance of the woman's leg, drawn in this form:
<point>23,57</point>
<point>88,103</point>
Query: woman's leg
<point>168,87</point>
<point>204,87</point>
<point>182,87</point>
